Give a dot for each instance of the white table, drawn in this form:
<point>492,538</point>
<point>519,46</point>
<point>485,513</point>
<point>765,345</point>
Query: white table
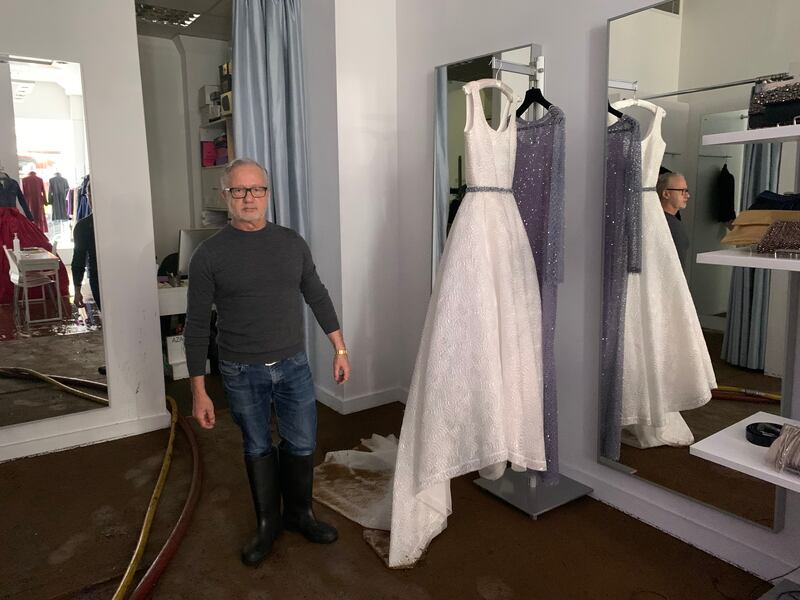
<point>729,447</point>
<point>32,260</point>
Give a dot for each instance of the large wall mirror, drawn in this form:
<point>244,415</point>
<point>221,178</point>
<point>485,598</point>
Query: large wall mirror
<point>50,319</point>
<point>690,349</point>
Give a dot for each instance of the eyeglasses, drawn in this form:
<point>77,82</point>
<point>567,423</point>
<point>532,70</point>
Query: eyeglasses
<point>240,192</point>
<point>681,190</point>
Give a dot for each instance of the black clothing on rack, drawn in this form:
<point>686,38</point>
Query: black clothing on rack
<point>11,193</point>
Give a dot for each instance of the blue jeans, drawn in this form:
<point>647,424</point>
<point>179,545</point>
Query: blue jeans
<point>251,391</point>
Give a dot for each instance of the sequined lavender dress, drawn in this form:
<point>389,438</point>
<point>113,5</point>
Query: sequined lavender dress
<point>621,255</point>
<point>539,192</point>
<point>475,399</point>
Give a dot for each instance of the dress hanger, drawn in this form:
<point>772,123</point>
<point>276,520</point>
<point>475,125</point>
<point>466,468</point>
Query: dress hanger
<point>653,108</point>
<point>532,95</point>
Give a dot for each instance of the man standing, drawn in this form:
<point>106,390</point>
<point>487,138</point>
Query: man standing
<point>674,195</point>
<point>255,272</point>
<point>85,255</point>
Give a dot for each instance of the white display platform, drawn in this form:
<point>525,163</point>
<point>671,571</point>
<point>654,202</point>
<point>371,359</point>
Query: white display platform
<point>786,133</point>
<point>742,257</point>
<point>730,448</point>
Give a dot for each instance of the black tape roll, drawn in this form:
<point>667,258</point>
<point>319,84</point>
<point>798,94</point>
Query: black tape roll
<point>763,434</point>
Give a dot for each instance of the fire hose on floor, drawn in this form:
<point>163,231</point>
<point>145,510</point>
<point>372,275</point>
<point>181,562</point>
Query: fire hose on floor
<point>145,587</point>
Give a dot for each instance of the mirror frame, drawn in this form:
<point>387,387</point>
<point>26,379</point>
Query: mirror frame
<point>787,387</point>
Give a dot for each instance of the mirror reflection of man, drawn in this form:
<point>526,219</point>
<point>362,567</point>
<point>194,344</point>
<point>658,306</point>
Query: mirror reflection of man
<point>255,273</point>
<point>85,255</point>
<point>673,192</point>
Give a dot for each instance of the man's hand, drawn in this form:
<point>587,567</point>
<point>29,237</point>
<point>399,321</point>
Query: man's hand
<point>341,368</point>
<point>79,299</point>
<point>203,410</point>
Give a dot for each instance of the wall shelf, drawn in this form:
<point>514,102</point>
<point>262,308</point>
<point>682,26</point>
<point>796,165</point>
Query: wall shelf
<point>730,448</point>
<point>786,133</point>
<point>742,257</point>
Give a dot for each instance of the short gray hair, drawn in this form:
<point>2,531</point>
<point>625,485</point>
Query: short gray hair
<point>224,180</point>
<point>664,179</point>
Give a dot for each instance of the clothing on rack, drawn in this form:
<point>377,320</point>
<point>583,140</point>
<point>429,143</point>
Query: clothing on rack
<point>621,255</point>
<point>30,236</point>
<point>723,196</point>
<point>11,194</point>
<point>539,192</point>
<point>475,400</point>
<point>84,205</point>
<point>57,197</point>
<point>33,188</point>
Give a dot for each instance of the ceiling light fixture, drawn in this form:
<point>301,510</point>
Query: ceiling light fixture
<point>149,13</point>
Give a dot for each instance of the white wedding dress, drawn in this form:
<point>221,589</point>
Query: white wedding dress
<point>475,399</point>
<point>667,367</point>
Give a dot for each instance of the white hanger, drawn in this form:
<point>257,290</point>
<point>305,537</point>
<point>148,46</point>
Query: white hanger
<point>620,104</point>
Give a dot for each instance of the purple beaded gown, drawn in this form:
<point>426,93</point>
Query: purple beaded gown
<point>539,192</point>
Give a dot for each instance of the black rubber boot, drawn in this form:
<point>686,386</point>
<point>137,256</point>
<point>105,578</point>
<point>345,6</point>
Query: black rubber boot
<point>297,478</point>
<point>264,485</point>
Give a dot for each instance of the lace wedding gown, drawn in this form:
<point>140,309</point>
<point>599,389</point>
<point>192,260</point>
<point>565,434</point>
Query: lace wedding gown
<point>667,367</point>
<point>475,399</point>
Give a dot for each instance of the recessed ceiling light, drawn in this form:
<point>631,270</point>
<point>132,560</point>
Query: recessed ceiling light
<point>164,16</point>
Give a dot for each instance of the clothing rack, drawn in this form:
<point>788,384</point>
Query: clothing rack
<point>617,84</point>
<point>527,491</point>
<point>718,86</point>
<point>534,70</point>
<point>725,156</point>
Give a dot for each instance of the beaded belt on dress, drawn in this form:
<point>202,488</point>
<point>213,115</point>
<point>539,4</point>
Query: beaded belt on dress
<point>484,188</point>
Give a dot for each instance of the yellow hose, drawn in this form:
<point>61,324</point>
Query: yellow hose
<point>770,395</point>
<point>144,534</point>
<point>127,579</point>
<point>31,374</point>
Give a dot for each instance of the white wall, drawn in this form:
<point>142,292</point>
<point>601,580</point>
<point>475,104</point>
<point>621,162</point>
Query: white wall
<point>124,227</point>
<point>164,96</point>
<point>8,137</point>
<point>352,128</point>
<point>200,59</point>
<point>656,70</point>
<point>324,237</point>
<point>573,38</point>
<point>46,101</point>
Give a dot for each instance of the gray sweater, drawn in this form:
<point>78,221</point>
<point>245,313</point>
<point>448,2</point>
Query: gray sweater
<point>255,279</point>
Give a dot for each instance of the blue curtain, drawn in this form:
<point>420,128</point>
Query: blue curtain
<point>268,107</point>
<point>744,343</point>
<point>441,169</point>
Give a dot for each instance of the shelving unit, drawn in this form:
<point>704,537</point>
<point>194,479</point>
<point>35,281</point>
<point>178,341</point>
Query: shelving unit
<point>729,447</point>
<point>209,176</point>
<point>786,133</point>
<point>743,257</point>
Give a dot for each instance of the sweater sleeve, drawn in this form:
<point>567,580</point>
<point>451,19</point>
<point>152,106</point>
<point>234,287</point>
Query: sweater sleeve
<point>316,294</point>
<point>200,298</point>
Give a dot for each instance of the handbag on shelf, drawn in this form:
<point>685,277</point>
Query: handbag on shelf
<point>781,235</point>
<point>751,226</point>
<point>774,102</point>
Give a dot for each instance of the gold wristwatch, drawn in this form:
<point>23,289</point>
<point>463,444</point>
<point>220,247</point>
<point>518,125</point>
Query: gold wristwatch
<point>341,352</point>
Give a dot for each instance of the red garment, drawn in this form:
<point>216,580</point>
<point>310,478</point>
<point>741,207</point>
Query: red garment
<point>33,189</point>
<point>12,221</point>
